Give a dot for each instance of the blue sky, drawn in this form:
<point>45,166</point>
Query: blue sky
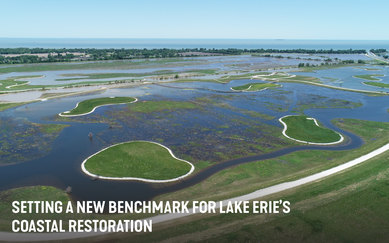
<point>239,19</point>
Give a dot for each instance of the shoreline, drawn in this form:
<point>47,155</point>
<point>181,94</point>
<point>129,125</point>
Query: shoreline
<point>377,78</point>
<point>83,114</point>
<point>322,85</point>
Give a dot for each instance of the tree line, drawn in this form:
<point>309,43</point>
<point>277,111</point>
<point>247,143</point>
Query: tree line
<point>29,55</point>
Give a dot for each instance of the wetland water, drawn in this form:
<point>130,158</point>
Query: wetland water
<point>344,77</point>
<point>220,130</point>
<point>144,70</point>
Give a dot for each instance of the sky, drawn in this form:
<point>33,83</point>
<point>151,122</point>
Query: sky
<point>209,19</point>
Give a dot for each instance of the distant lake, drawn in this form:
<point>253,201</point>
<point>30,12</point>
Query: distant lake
<point>190,43</point>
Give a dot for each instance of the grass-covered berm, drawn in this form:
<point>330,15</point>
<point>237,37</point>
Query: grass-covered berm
<point>254,87</point>
<point>306,129</point>
<point>371,77</point>
<point>377,84</point>
<point>138,160</point>
<point>88,106</point>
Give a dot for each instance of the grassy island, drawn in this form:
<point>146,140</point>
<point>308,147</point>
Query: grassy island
<point>137,160</point>
<point>305,129</point>
<point>377,84</point>
<point>371,77</point>
<point>254,86</point>
<point>88,106</point>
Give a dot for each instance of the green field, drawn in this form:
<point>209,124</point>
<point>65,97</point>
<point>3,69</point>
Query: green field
<point>377,84</point>
<point>371,77</point>
<point>87,106</point>
<point>5,106</point>
<point>255,86</point>
<point>137,159</point>
<point>301,128</point>
<point>33,193</point>
<point>352,206</point>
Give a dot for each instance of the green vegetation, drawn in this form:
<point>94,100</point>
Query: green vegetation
<point>15,83</point>
<point>22,141</point>
<point>31,55</point>
<point>22,85</point>
<point>5,106</point>
<point>327,66</point>
<point>330,79</point>
<point>61,94</point>
<point>371,77</point>
<point>97,76</point>
<point>137,159</point>
<point>377,84</point>
<point>25,77</point>
<point>263,116</point>
<point>50,128</point>
<point>33,193</point>
<point>304,129</point>
<point>87,106</point>
<point>9,82</point>
<point>153,106</point>
<point>156,74</point>
<point>318,101</point>
<point>124,64</point>
<point>379,51</point>
<point>246,178</point>
<point>224,79</point>
<point>352,206</point>
<point>205,71</point>
<point>286,77</point>
<point>299,78</point>
<point>255,86</point>
<point>330,210</point>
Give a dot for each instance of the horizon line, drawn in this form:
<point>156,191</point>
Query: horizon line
<point>196,38</point>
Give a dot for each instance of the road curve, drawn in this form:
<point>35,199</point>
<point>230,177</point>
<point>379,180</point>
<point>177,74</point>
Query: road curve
<point>8,236</point>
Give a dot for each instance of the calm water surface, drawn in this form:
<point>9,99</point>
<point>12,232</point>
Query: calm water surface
<point>61,167</point>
